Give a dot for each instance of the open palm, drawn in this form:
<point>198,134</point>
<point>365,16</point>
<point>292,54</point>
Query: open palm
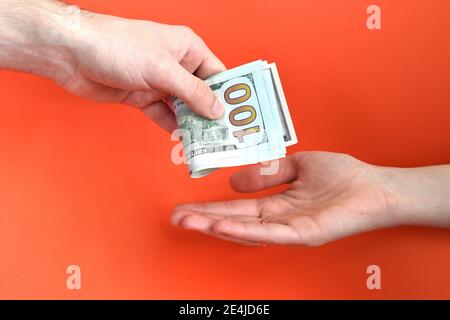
<point>330,196</point>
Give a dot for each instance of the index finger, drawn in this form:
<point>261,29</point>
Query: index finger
<point>243,207</point>
<point>210,65</point>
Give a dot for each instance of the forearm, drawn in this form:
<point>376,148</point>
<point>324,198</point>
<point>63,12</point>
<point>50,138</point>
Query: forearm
<point>35,36</point>
<point>420,196</point>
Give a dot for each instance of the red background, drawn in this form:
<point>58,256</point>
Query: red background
<point>93,185</point>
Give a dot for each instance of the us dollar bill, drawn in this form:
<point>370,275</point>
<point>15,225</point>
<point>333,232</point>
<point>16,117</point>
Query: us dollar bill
<point>256,125</point>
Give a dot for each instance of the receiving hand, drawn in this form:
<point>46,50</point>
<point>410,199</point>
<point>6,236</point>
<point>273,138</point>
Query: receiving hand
<point>330,196</point>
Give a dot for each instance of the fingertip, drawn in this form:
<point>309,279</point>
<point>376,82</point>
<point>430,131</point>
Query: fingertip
<point>203,101</point>
<point>246,180</point>
<point>176,217</point>
<point>217,109</point>
<point>170,127</point>
<point>160,113</point>
<point>187,222</point>
<point>194,92</point>
<point>181,207</point>
<point>223,227</point>
<point>195,222</point>
<point>179,212</point>
<point>234,182</point>
<point>218,228</point>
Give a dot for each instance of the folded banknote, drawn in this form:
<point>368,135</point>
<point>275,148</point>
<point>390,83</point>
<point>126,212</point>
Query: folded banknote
<point>256,126</point>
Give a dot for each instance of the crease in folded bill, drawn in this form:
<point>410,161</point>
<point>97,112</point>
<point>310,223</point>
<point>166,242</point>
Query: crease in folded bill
<point>256,126</point>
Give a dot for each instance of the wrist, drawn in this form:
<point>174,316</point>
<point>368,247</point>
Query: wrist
<point>38,36</point>
<point>417,196</point>
<point>397,200</point>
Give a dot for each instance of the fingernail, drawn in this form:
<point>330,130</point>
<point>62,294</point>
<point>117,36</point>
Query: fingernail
<point>217,109</point>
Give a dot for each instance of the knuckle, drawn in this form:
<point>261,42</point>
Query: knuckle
<point>186,31</point>
<point>218,227</point>
<point>190,36</point>
<point>164,64</point>
<point>164,68</point>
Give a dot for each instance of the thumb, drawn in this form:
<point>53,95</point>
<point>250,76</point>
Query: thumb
<point>254,179</point>
<point>194,91</point>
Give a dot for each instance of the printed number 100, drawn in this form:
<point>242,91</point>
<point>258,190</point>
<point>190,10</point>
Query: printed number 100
<point>242,93</point>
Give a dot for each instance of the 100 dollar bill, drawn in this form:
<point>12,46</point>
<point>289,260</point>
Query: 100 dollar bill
<point>255,127</point>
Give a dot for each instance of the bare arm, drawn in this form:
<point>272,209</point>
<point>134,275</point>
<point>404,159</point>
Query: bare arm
<point>331,196</point>
<point>423,194</point>
<point>109,59</point>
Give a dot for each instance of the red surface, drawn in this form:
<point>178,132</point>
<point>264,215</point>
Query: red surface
<point>93,185</point>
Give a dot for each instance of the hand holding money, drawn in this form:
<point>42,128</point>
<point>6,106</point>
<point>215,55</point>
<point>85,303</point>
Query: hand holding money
<point>255,127</point>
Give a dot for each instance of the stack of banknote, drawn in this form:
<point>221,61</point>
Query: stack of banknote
<point>256,126</point>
